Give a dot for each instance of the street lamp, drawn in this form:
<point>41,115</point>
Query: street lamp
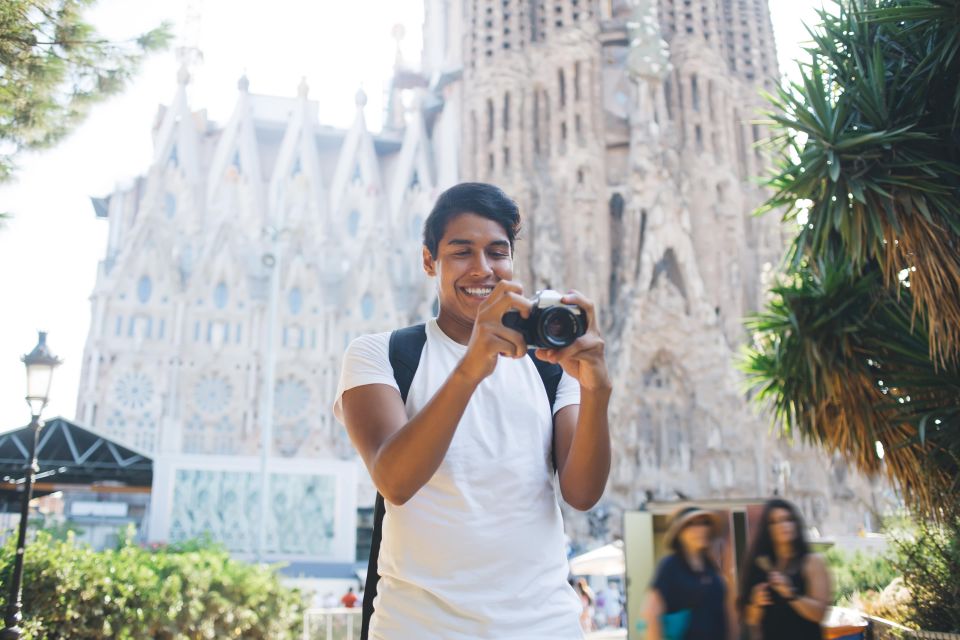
<point>40,364</point>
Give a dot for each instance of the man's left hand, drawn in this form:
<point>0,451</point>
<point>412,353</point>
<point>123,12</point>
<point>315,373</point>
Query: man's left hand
<point>583,360</point>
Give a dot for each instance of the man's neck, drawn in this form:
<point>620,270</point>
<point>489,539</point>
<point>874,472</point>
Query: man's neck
<point>455,328</point>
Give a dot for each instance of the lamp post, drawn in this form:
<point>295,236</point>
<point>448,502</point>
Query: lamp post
<point>40,364</point>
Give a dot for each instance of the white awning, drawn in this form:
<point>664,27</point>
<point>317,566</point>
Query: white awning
<point>605,561</point>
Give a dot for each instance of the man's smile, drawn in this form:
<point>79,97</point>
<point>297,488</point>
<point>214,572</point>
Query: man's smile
<point>479,292</point>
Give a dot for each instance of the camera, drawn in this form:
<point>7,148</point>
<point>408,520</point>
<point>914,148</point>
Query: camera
<point>552,324</point>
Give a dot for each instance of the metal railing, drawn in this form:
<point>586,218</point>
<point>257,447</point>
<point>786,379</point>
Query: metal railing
<point>881,629</point>
<point>339,623</point>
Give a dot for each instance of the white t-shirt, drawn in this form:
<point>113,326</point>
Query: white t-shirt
<point>478,552</point>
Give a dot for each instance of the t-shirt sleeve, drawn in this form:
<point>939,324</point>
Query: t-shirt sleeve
<point>366,361</point>
<point>568,392</point>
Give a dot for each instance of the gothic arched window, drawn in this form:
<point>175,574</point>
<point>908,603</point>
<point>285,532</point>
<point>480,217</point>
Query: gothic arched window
<point>353,223</point>
<point>220,295</point>
<point>144,289</point>
<point>295,300</point>
<point>169,204</point>
<point>367,306</point>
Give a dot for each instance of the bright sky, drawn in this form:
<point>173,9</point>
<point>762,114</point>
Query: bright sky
<point>49,252</point>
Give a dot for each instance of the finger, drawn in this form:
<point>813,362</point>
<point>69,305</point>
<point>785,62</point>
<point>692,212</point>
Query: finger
<point>575,297</point>
<point>507,285</point>
<point>547,355</point>
<point>579,347</point>
<point>506,301</point>
<point>506,346</point>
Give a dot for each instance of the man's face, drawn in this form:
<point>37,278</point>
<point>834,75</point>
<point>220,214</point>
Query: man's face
<point>473,255</point>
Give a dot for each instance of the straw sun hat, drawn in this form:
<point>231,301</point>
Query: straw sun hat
<point>682,517</point>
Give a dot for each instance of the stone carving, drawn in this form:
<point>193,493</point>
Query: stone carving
<point>624,130</point>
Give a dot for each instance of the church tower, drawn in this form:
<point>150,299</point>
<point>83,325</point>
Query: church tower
<point>629,133</point>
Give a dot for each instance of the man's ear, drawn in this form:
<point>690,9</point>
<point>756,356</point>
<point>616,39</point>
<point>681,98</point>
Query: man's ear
<point>429,264</point>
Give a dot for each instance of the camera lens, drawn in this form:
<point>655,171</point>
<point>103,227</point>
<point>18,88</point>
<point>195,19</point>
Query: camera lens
<point>558,327</point>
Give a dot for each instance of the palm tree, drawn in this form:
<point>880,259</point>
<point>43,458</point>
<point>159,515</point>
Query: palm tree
<point>860,343</point>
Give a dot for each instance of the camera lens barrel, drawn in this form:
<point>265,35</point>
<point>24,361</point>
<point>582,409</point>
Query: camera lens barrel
<point>553,325</point>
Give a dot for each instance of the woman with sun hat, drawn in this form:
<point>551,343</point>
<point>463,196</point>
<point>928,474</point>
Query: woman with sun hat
<point>688,596</point>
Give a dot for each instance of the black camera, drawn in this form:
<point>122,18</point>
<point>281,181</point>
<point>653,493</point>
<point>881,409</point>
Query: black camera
<point>552,324</point>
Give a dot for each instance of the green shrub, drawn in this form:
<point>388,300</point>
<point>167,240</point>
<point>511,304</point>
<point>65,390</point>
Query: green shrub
<point>857,573</point>
<point>927,554</point>
<point>196,592</point>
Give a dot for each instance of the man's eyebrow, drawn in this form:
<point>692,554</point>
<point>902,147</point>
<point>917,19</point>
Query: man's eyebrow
<point>470,243</point>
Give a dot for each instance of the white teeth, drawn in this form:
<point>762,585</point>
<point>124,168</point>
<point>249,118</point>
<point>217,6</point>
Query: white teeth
<point>479,291</point>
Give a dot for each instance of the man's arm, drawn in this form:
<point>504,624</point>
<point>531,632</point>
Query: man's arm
<point>582,433</point>
<point>402,455</point>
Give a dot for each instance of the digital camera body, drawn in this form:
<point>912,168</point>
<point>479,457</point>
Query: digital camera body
<point>552,324</point>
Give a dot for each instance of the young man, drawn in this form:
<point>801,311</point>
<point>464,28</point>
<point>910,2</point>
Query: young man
<point>466,465</point>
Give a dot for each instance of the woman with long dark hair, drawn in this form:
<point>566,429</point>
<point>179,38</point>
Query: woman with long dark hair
<point>688,596</point>
<point>785,587</point>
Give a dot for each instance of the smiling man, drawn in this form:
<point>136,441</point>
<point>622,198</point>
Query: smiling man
<point>472,537</point>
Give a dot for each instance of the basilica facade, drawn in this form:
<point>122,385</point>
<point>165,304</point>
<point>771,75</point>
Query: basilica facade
<point>247,256</point>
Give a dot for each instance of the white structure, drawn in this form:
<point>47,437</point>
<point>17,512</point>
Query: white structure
<point>624,130</point>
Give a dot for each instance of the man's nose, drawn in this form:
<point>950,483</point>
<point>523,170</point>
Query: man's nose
<point>481,265</point>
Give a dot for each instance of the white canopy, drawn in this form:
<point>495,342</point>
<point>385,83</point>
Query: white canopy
<point>605,561</point>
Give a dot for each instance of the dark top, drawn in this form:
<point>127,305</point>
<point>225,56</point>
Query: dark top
<point>702,592</point>
<point>780,621</point>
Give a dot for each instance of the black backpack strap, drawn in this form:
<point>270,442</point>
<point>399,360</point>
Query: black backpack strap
<point>550,374</point>
<point>406,345</point>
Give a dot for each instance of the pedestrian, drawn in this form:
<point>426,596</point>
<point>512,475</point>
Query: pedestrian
<point>587,600</point>
<point>614,604</point>
<point>785,589</point>
<point>349,599</point>
<point>465,441</point>
<point>688,597</point>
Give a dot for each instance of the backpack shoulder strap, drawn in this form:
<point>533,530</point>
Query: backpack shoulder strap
<point>550,374</point>
<point>406,345</point>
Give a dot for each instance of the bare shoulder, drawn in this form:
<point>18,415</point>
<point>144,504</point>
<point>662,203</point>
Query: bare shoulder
<point>814,563</point>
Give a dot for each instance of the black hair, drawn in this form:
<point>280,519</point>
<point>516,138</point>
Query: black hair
<point>482,199</point>
<point>752,574</point>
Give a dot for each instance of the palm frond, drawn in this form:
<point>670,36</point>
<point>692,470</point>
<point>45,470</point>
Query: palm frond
<point>840,361</point>
<point>869,138</point>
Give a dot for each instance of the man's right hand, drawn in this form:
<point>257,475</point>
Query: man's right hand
<point>490,339</point>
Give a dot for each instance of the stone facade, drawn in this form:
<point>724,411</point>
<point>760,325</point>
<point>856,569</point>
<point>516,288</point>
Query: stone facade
<point>628,132</point>
<point>624,130</point>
